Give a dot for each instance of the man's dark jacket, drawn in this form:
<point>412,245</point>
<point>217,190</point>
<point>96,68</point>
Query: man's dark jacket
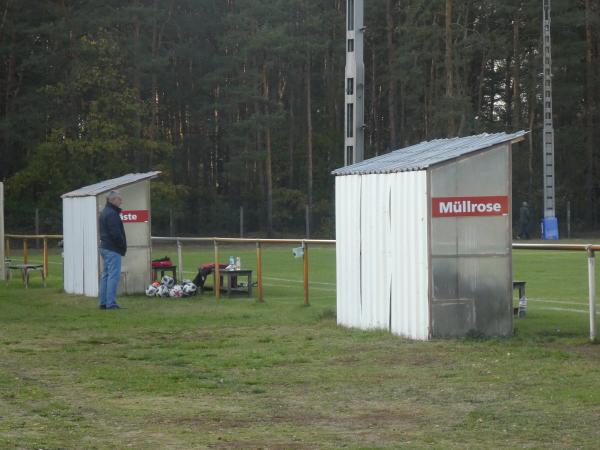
<point>112,232</point>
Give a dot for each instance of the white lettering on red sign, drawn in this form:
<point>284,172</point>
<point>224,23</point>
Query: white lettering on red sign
<point>139,216</point>
<point>469,206</point>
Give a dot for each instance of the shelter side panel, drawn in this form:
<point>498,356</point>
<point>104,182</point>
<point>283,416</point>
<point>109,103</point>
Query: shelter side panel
<point>471,245</point>
<point>348,242</point>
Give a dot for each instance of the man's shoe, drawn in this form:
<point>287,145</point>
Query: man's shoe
<point>102,306</point>
<point>113,307</point>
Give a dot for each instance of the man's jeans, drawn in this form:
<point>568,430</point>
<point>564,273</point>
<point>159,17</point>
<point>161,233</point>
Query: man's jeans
<point>109,280</point>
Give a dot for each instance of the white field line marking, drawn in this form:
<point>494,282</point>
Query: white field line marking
<point>299,281</point>
<point>288,285</point>
<point>580,311</point>
<point>295,287</point>
<point>560,302</point>
<point>290,280</point>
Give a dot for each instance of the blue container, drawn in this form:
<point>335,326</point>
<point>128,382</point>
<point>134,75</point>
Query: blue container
<point>549,228</point>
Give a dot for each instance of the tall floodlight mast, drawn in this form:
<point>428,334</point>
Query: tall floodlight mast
<point>354,129</point>
<point>550,223</point>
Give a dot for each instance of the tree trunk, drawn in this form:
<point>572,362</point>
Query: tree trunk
<point>516,74</point>
<point>508,94</point>
<point>531,100</point>
<point>309,137</point>
<point>391,78</point>
<point>589,115</point>
<point>449,70</point>
<point>269,156</point>
<point>291,137</point>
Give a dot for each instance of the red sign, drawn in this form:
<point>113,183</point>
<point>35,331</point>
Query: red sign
<point>469,206</point>
<point>135,216</point>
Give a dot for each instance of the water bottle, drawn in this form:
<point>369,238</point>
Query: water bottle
<point>231,263</point>
<point>238,263</point>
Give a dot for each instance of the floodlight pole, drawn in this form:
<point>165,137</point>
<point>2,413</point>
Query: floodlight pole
<point>354,85</point>
<point>550,223</point>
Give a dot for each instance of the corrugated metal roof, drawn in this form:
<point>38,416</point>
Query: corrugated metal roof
<point>425,154</point>
<point>109,185</point>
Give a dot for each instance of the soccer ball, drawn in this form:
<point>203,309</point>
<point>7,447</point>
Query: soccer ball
<point>162,291</point>
<point>151,291</point>
<point>177,291</point>
<point>189,289</point>
<point>184,282</point>
<point>168,281</point>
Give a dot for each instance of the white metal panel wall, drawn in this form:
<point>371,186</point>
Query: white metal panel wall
<point>90,246</point>
<point>347,228</point>
<point>375,251</point>
<point>409,246</point>
<point>67,246</point>
<point>73,245</point>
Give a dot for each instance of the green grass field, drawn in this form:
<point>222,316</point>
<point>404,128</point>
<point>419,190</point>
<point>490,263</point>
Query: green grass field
<point>183,374</point>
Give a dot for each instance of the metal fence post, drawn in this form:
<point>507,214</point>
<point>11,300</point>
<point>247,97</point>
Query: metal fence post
<point>45,256</point>
<point>217,284</point>
<point>305,260</point>
<point>592,292</point>
<point>25,252</point>
<point>179,261</point>
<point>259,271</point>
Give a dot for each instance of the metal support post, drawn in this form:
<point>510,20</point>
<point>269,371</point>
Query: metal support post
<point>305,260</point>
<point>592,292</point>
<point>217,286</point>
<point>45,257</point>
<point>179,262</point>
<point>259,271</point>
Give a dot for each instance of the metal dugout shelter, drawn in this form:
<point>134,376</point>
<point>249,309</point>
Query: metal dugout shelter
<point>82,265</point>
<point>423,239</point>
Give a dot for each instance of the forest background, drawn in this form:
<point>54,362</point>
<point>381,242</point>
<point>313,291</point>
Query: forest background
<point>240,102</point>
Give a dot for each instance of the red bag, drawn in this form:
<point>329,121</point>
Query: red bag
<point>162,262</point>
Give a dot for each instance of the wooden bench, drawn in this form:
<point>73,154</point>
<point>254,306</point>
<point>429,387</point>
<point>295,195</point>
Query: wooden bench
<point>232,281</point>
<point>26,269</point>
<point>520,310</point>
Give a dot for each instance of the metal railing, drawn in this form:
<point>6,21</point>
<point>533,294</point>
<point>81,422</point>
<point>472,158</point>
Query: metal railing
<point>27,237</point>
<point>589,249</point>
<point>259,244</point>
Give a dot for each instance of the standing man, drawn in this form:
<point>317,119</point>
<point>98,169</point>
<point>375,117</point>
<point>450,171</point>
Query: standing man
<point>113,245</point>
<point>524,219</point>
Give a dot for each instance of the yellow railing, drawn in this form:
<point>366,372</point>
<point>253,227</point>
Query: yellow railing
<point>27,237</point>
<point>259,244</point>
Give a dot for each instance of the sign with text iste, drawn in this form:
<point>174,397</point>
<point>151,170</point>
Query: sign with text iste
<point>469,206</point>
<point>139,216</point>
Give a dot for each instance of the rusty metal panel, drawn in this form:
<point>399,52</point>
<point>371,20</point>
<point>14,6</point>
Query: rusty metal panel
<point>409,262</point>
<point>348,242</point>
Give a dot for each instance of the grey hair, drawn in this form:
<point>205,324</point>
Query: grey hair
<point>112,195</point>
